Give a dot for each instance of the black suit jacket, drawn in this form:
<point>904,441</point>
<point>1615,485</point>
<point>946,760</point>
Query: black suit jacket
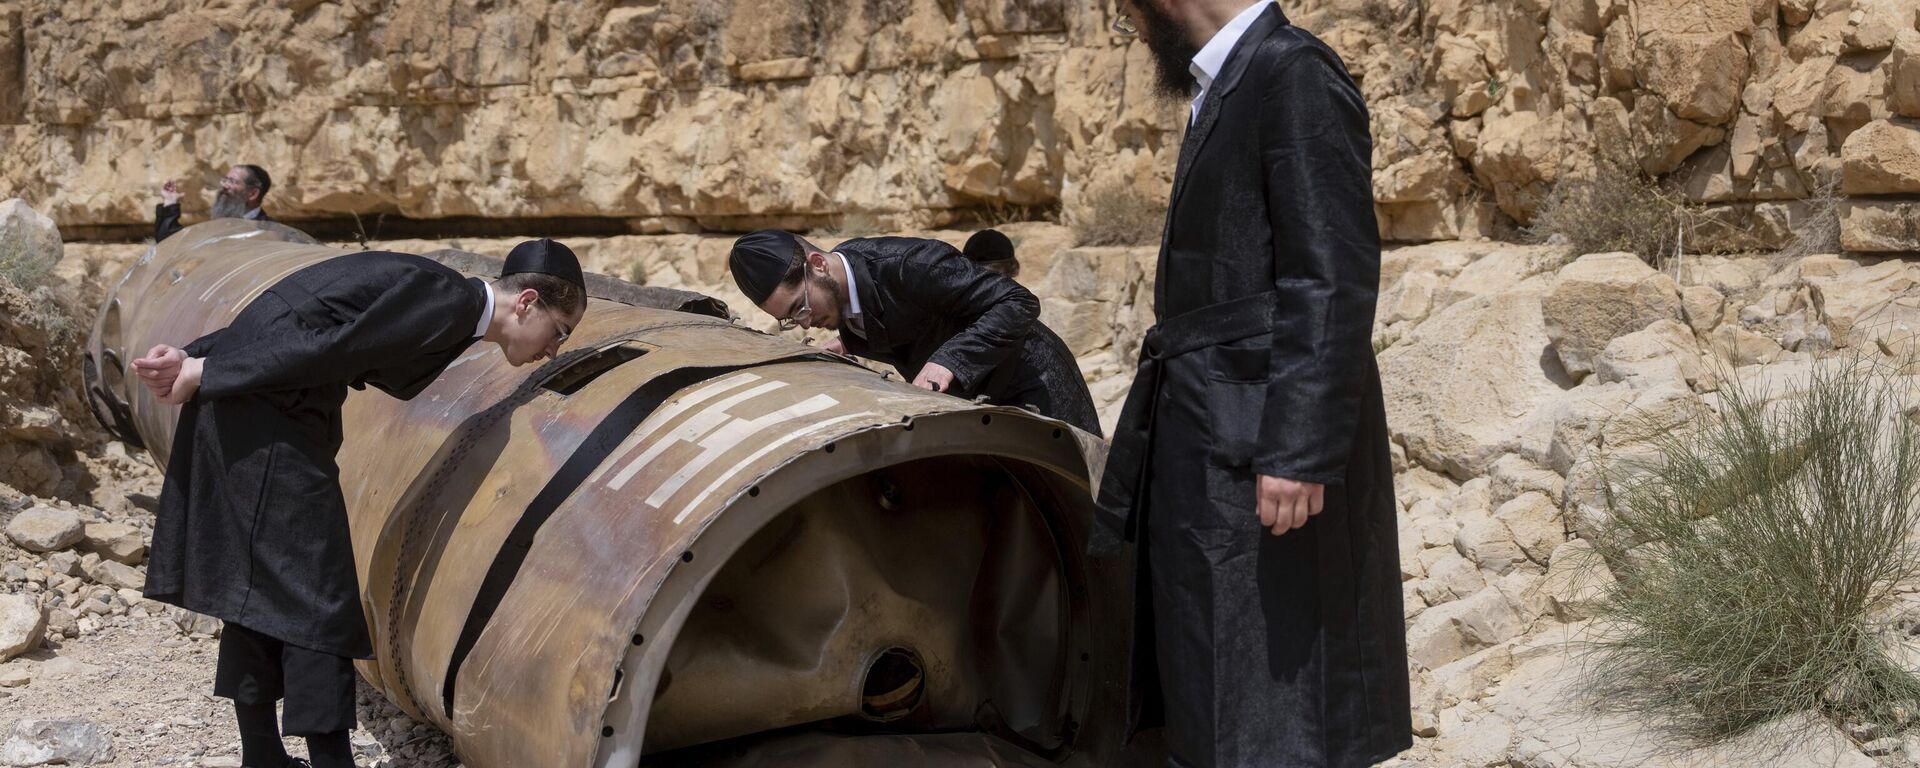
<point>166,220</point>
<point>1300,223</point>
<point>252,526</point>
<point>923,301</point>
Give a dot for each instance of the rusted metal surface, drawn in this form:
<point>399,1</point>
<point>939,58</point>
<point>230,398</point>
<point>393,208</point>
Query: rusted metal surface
<point>685,535</point>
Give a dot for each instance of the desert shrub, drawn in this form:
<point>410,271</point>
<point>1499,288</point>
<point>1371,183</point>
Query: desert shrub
<point>1115,213</point>
<point>1754,553</point>
<point>24,261</point>
<point>1820,231</point>
<point>1618,208</point>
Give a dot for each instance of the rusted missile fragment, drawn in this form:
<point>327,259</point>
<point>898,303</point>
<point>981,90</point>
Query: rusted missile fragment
<point>696,542</point>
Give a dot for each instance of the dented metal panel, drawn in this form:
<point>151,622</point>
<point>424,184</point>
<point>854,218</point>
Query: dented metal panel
<point>691,540</point>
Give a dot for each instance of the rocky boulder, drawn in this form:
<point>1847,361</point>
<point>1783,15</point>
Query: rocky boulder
<point>1601,297</point>
<point>22,624</point>
<point>46,529</point>
<point>118,542</point>
<point>1903,74</point>
<point>1664,352</point>
<point>1882,158</point>
<point>1459,387</point>
<point>57,740</point>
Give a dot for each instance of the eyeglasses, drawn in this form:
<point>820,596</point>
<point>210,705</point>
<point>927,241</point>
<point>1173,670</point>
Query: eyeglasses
<point>1122,23</point>
<point>804,313</point>
<point>559,329</point>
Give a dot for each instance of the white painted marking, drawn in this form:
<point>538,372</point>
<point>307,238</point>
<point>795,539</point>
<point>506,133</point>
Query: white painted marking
<point>783,442</point>
<point>666,415</point>
<point>730,435</point>
<point>697,426</point>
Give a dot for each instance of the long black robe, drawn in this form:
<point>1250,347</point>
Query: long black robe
<point>252,527</point>
<point>923,301</point>
<point>1270,651</point>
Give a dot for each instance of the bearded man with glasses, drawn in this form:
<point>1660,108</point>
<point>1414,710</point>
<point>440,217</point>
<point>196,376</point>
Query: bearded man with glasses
<point>944,321</point>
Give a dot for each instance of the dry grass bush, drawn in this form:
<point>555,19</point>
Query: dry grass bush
<point>1619,208</point>
<point>1114,213</point>
<point>1754,553</point>
<point>22,262</point>
<point>1820,231</point>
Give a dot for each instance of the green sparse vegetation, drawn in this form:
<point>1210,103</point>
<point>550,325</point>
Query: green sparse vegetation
<point>1755,555</point>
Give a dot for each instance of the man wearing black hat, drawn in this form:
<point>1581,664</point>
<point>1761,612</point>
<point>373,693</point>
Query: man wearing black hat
<point>921,306</point>
<point>252,527</point>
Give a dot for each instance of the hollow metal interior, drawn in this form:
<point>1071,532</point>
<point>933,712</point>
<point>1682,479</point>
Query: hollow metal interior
<point>947,568</point>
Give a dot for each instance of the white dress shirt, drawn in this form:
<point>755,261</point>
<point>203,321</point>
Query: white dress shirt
<point>855,322</point>
<point>486,313</point>
<point>1207,63</point>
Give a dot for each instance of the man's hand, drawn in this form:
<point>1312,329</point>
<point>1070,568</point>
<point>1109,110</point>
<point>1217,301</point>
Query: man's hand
<point>169,374</point>
<point>934,376</point>
<point>1286,504</point>
<point>170,193</point>
<point>834,345</point>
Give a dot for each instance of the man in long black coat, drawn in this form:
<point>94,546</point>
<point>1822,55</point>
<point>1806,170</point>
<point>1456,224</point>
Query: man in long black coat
<point>252,526</point>
<point>942,320</point>
<point>1250,465</point>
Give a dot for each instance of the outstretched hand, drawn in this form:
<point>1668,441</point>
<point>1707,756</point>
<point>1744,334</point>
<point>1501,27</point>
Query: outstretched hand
<point>170,192</point>
<point>169,374</point>
<point>934,376</point>
<point>1286,504</point>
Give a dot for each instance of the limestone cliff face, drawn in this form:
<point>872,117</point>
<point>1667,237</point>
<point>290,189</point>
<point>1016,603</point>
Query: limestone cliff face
<point>678,115</point>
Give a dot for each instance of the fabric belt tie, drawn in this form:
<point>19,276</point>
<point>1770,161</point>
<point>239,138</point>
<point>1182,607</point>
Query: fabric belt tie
<point>1123,484</point>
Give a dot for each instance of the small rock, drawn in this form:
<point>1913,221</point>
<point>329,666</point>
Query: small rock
<point>66,667</point>
<point>22,625</point>
<point>118,542</point>
<point>1863,731</point>
<point>1881,747</point>
<point>69,740</point>
<point>14,676</point>
<point>223,761</point>
<point>117,575</point>
<point>63,563</point>
<point>191,623</point>
<point>62,621</point>
<point>46,529</point>
<point>1425,725</point>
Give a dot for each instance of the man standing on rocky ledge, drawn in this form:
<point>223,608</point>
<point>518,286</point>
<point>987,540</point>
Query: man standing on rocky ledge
<point>1250,466</point>
<point>242,193</point>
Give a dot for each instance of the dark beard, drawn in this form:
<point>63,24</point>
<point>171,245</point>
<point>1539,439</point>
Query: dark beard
<point>228,205</point>
<point>1172,47</point>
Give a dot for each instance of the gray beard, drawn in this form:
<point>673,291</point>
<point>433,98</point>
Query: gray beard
<point>227,205</point>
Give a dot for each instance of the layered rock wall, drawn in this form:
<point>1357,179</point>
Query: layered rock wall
<point>680,115</point>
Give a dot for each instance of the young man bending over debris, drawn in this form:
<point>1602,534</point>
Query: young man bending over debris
<point>252,526</point>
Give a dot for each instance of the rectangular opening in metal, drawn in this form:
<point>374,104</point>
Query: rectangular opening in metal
<point>572,378</point>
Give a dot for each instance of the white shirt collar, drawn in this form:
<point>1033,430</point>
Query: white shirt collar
<point>1206,64</point>
<point>486,311</point>
<point>853,291</point>
<point>855,321</point>
<point>253,214</point>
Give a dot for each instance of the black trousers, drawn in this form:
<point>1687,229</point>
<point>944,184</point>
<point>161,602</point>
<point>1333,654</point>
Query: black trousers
<point>259,669</point>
